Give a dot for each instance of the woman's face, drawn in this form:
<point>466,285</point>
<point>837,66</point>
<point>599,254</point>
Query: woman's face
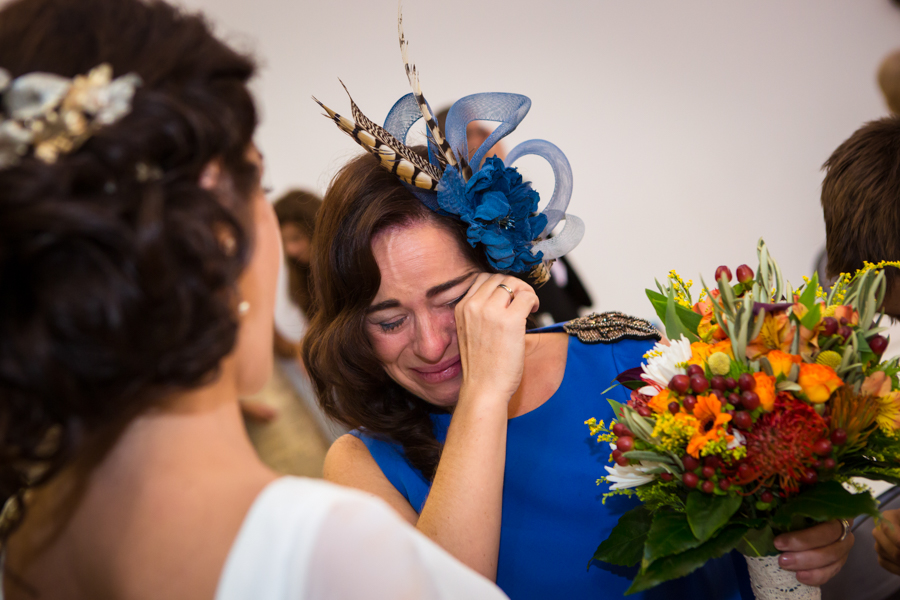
<point>296,243</point>
<point>411,321</point>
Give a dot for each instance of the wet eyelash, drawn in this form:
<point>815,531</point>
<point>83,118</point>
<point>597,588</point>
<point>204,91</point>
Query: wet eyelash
<point>390,326</point>
<point>456,301</point>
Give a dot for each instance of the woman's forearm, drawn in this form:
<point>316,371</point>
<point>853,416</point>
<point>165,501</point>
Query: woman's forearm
<point>462,513</point>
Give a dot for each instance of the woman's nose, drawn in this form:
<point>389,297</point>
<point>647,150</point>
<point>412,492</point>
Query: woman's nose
<point>433,335</point>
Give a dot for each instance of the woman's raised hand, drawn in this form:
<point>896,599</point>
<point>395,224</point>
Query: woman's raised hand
<point>490,325</point>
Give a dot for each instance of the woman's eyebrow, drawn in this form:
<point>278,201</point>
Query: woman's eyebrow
<point>446,286</point>
<point>431,293</point>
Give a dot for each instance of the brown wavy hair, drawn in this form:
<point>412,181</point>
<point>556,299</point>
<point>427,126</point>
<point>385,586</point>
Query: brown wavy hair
<point>300,209</point>
<point>351,384</point>
<point>115,289</point>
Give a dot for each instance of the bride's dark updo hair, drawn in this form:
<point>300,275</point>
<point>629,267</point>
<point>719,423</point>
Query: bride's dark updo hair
<point>117,287</point>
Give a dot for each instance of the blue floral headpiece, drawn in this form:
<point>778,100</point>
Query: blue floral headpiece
<point>500,209</point>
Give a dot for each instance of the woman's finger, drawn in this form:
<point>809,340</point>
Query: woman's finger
<point>816,536</point>
<point>817,558</point>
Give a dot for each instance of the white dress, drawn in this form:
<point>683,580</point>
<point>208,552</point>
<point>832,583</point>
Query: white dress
<point>309,539</point>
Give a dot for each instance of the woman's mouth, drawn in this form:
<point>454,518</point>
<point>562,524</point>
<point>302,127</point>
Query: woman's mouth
<point>441,372</point>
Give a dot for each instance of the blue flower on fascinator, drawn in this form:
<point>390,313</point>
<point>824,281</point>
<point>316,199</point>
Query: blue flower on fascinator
<point>499,208</point>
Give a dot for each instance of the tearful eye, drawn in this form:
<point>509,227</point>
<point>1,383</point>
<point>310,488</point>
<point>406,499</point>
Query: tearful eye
<point>392,325</point>
<point>456,301</point>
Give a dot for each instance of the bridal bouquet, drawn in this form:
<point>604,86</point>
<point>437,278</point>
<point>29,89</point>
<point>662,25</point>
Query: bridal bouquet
<point>751,421</point>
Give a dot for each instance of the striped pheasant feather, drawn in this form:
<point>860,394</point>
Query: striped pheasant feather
<point>445,151</point>
<point>396,157</point>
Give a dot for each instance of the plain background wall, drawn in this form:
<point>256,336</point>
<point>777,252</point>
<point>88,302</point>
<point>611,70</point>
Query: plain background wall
<point>693,127</point>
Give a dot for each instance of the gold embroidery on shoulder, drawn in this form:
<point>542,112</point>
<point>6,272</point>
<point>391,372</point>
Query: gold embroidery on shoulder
<point>610,327</point>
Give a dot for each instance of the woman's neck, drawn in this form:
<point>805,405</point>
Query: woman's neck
<point>545,366</point>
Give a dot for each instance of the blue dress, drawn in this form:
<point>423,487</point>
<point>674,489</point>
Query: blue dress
<point>553,519</point>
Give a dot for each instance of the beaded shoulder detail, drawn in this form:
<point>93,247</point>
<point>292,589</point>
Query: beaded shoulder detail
<point>610,327</point>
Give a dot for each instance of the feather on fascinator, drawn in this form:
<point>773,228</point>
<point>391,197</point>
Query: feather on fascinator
<point>499,208</point>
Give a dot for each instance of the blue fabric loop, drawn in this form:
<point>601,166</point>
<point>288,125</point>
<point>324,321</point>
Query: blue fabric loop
<point>562,175</point>
<point>506,109</point>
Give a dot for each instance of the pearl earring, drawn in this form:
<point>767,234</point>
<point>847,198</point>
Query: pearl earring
<point>243,308</point>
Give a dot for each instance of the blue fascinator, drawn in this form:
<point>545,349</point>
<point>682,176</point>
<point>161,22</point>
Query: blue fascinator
<point>499,208</point>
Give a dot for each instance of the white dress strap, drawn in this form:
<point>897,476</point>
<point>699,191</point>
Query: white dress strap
<point>312,540</point>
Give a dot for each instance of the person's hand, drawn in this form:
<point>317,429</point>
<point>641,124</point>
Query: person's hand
<point>815,554</point>
<point>887,540</point>
<point>490,325</point>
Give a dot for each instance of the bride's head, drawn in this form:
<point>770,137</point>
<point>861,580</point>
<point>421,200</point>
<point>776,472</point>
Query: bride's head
<point>140,258</point>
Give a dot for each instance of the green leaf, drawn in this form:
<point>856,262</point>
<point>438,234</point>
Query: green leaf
<point>679,565</point>
<point>669,534</point>
<point>689,319</point>
<point>675,328</point>
<point>811,318</point>
<point>616,408</point>
<point>659,303</point>
<point>825,502</point>
<point>625,544</point>
<point>808,297</point>
<point>758,542</point>
<point>707,514</point>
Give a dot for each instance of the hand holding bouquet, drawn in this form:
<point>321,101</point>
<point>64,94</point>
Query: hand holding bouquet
<point>752,421</point>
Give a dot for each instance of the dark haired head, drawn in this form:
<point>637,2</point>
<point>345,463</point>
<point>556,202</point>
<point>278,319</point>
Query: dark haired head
<point>116,288</point>
<point>298,208</point>
<point>363,200</point>
<point>861,199</point>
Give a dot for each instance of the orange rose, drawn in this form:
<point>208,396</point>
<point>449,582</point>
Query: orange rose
<point>700,351</point>
<point>724,346</point>
<point>818,382</point>
<point>782,362</point>
<point>660,402</point>
<point>765,389</point>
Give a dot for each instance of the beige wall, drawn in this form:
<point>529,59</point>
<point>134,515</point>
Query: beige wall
<point>693,127</point>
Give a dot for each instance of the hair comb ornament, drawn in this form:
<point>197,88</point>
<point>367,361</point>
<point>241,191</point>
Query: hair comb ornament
<point>52,115</point>
<point>500,209</point>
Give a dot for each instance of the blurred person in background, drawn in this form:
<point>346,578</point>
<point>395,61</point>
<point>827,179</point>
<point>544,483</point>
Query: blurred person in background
<point>296,211</point>
<point>861,205</point>
<point>138,259</point>
<point>889,81</point>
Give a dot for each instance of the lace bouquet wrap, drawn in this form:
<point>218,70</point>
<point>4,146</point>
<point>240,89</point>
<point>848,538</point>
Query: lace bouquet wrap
<point>751,422</point>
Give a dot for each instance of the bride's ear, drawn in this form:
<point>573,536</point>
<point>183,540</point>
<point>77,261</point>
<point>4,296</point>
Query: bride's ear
<point>211,176</point>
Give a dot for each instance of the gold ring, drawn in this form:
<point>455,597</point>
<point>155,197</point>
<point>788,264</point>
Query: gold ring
<point>846,525</point>
<point>512,294</point>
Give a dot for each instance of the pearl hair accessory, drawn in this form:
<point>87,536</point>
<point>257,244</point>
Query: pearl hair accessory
<point>50,115</point>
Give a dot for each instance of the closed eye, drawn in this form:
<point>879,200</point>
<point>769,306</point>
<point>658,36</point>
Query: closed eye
<point>391,325</point>
<point>456,301</point>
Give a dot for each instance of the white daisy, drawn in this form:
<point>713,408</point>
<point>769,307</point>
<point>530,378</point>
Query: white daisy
<point>665,363</point>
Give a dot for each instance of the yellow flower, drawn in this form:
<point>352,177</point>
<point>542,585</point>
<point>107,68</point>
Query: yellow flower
<point>719,363</point>
<point>675,431</point>
<point>829,358</point>
<point>818,382</point>
<point>889,412</point>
